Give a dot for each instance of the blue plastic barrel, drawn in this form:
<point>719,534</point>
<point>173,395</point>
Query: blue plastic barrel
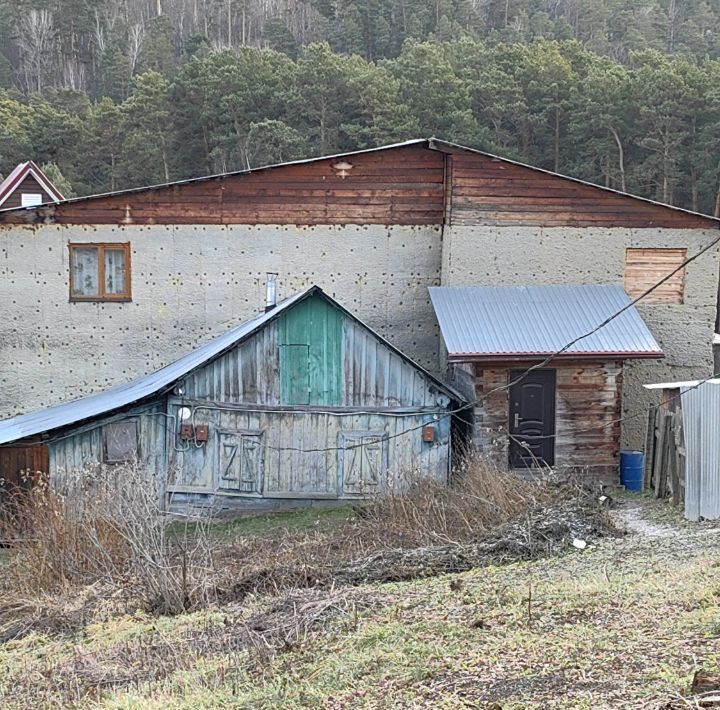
<point>632,470</point>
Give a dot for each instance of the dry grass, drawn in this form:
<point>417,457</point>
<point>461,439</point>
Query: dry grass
<point>105,528</point>
<point>625,623</point>
<point>482,497</point>
<point>95,567</point>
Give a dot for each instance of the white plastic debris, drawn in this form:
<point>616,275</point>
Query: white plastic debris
<point>602,499</point>
<point>580,544</point>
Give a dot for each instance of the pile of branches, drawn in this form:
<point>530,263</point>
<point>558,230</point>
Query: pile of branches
<point>490,517</point>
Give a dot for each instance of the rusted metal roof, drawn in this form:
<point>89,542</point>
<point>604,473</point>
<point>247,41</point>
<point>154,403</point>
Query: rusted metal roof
<point>115,398</point>
<point>526,321</point>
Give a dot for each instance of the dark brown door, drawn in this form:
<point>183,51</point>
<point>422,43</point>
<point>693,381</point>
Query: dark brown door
<point>532,419</point>
<point>20,466</point>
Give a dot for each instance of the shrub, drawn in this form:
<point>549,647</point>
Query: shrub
<point>480,497</point>
<point>107,525</point>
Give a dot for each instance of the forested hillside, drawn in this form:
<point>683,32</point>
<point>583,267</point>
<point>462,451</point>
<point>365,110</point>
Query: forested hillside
<point>120,93</point>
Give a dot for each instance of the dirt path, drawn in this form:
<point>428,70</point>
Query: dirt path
<point>653,519</point>
<point>636,519</point>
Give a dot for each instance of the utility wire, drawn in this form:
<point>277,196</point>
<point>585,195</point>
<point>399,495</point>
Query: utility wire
<point>479,400</point>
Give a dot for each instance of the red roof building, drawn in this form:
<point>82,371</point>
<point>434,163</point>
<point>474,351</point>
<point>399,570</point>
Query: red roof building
<point>27,186</point>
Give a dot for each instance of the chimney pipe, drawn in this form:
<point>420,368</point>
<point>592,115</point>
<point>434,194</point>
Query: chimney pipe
<point>270,291</point>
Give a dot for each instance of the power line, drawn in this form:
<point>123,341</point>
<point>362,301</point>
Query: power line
<point>479,400</point>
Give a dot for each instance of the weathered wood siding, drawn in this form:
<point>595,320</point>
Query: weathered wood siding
<point>248,373</point>
<point>393,186</point>
<point>304,454</point>
<point>588,405</point>
<point>19,464</point>
<point>83,447</point>
<point>491,191</point>
<point>369,373</point>
<point>28,185</point>
<point>407,185</point>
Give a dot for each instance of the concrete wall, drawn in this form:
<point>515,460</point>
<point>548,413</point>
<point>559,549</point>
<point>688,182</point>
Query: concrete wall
<point>190,283</point>
<point>568,255</point>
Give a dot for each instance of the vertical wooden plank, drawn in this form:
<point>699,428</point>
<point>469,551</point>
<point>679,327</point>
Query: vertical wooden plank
<point>649,446</point>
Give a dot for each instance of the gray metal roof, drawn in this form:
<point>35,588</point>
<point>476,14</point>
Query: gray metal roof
<point>122,395</point>
<point>67,413</point>
<point>521,321</point>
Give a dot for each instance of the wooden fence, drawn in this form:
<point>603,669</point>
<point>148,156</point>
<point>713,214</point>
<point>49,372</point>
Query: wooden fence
<point>665,459</point>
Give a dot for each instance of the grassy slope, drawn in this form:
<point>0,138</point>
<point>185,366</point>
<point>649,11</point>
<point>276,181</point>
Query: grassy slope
<point>623,623</point>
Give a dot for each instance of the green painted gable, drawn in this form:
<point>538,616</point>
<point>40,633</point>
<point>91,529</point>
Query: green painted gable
<point>310,344</point>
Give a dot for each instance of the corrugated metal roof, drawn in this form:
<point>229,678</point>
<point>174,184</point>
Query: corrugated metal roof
<point>496,321</point>
<point>122,395</point>
<point>679,385</point>
<point>79,410</point>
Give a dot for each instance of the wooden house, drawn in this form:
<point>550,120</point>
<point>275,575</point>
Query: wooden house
<point>546,379</point>
<point>27,186</point>
<point>302,403</point>
<point>101,290</point>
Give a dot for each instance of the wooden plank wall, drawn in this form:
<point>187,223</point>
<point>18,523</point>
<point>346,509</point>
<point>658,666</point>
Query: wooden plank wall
<point>302,451</point>
<point>588,405</point>
<point>370,373</point>
<point>393,186</point>
<point>403,185</point>
<point>28,185</point>
<point>495,192</point>
<point>20,464</point>
<point>644,268</point>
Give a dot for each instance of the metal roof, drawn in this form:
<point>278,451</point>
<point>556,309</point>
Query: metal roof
<point>524,321</point>
<point>430,143</point>
<point>683,384</point>
<point>67,413</point>
<point>122,395</point>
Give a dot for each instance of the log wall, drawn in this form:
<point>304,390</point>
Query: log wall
<point>490,191</point>
<point>587,407</point>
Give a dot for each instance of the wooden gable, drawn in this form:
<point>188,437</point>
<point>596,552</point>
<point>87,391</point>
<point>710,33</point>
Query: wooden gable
<point>315,354</point>
<point>422,182</point>
<point>401,185</point>
<point>484,190</point>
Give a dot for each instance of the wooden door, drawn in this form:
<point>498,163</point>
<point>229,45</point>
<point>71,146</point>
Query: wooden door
<point>20,466</point>
<point>363,463</point>
<point>240,461</point>
<point>532,419</point>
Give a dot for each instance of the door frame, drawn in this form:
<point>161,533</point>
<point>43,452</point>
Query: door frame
<point>512,375</point>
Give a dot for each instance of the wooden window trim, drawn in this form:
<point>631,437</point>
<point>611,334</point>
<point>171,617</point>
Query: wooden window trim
<point>126,295</point>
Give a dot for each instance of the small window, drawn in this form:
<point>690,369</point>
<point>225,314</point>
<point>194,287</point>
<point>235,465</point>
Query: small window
<point>646,267</point>
<point>121,442</point>
<point>100,272</point>
<point>31,199</point>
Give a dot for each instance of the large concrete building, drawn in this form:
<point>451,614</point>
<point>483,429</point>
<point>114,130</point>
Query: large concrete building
<point>102,289</point>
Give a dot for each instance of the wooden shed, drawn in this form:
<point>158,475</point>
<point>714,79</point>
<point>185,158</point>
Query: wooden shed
<point>302,403</point>
<point>544,365</point>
